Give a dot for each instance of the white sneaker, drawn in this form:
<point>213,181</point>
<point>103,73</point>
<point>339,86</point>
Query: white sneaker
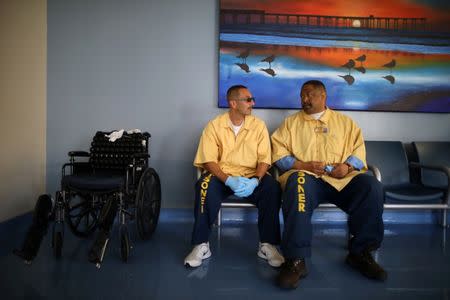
<point>199,253</point>
<point>271,254</point>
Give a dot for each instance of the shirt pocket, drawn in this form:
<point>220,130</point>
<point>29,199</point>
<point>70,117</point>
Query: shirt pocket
<point>335,147</point>
<point>249,151</point>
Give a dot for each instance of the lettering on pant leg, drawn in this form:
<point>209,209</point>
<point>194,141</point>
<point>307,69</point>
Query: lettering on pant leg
<point>203,191</point>
<point>301,192</point>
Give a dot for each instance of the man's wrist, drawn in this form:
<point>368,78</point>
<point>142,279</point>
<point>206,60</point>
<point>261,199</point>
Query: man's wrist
<point>257,178</point>
<point>350,167</point>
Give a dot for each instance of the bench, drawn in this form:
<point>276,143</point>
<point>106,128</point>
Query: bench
<point>388,162</point>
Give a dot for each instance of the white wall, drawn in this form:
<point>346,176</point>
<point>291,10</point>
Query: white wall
<point>153,65</point>
<point>23,46</point>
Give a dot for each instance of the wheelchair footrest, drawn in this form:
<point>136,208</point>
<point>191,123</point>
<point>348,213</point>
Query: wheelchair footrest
<point>98,249</point>
<point>37,230</point>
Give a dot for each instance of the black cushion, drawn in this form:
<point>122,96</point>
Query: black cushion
<point>93,182</point>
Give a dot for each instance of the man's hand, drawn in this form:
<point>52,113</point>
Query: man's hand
<point>339,170</point>
<point>317,167</point>
<point>248,189</point>
<point>236,183</point>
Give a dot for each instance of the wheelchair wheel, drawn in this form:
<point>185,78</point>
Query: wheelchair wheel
<point>148,203</point>
<point>124,243</point>
<point>82,214</point>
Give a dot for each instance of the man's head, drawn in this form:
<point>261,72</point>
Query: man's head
<point>313,96</point>
<point>240,99</point>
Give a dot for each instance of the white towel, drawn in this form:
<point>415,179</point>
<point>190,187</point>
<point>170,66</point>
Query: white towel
<point>113,136</point>
<point>134,131</point>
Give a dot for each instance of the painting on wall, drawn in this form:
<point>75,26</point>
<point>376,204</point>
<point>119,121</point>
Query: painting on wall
<point>379,55</point>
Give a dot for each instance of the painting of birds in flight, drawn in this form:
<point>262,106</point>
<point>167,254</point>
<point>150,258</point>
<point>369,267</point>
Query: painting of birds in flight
<point>378,56</point>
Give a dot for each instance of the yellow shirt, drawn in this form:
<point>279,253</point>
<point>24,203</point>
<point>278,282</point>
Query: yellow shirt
<point>236,155</point>
<point>331,139</point>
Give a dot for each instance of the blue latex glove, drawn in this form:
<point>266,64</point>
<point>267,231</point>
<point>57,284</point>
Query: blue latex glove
<point>248,189</point>
<point>328,168</point>
<point>236,182</point>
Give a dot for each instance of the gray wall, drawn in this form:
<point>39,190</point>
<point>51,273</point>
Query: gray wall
<point>153,65</point>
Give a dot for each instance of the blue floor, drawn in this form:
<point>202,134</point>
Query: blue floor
<point>417,258</point>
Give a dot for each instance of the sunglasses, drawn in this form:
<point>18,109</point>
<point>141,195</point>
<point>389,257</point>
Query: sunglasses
<point>249,99</point>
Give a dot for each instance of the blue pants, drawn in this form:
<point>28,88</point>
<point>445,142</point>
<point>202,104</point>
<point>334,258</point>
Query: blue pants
<point>209,194</point>
<point>361,199</point>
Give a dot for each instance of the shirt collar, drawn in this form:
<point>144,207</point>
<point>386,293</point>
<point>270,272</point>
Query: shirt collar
<point>226,122</point>
<point>324,118</point>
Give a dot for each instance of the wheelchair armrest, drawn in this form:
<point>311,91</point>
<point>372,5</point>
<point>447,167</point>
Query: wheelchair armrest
<point>78,154</point>
<point>443,169</point>
<point>75,167</point>
<point>376,172</point>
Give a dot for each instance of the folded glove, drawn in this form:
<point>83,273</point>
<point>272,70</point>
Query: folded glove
<point>248,189</point>
<point>236,182</point>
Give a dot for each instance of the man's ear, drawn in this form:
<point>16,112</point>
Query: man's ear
<point>232,104</point>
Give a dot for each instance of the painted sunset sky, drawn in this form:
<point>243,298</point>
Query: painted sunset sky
<point>437,12</point>
<point>374,69</point>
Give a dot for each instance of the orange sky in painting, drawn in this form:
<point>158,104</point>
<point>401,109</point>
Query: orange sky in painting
<point>378,8</point>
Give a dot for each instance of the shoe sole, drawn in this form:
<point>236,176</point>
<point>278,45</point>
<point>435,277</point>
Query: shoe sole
<point>205,256</point>
<point>263,256</point>
<point>355,267</point>
<point>295,285</point>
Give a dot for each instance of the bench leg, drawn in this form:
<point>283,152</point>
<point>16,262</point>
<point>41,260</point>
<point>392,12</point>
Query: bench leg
<point>219,218</point>
<point>444,218</point>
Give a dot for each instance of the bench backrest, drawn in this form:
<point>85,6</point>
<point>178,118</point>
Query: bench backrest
<point>390,158</point>
<point>437,154</point>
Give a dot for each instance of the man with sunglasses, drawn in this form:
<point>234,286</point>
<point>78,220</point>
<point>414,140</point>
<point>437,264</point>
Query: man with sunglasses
<point>234,154</point>
<point>322,155</point>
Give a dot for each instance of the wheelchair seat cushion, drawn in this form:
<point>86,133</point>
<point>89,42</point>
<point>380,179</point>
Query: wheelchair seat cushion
<point>93,182</point>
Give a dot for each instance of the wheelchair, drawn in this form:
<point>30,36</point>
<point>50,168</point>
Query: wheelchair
<point>112,178</point>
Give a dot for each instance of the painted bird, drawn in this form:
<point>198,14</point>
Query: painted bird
<point>361,58</point>
<point>389,78</point>
<point>361,69</point>
<point>244,67</point>
<point>269,59</point>
<point>348,78</point>
<point>350,64</point>
<point>390,65</point>
<point>243,55</point>
<point>269,71</point>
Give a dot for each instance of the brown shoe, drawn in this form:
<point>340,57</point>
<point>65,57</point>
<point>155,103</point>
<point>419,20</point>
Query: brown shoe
<point>365,264</point>
<point>291,272</point>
